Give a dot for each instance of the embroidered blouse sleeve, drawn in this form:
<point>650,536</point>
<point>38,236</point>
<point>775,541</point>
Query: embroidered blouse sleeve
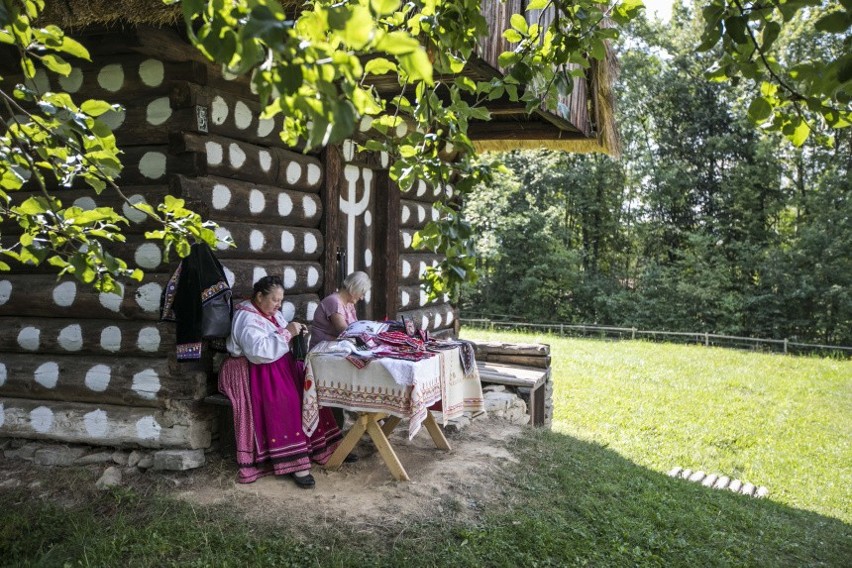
<point>257,339</point>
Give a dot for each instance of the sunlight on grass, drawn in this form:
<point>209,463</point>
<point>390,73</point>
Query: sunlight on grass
<point>779,421</point>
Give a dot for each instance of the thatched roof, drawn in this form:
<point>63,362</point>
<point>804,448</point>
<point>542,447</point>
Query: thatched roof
<point>585,122</point>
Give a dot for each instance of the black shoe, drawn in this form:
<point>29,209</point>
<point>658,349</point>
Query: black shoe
<point>351,458</point>
<point>304,481</point>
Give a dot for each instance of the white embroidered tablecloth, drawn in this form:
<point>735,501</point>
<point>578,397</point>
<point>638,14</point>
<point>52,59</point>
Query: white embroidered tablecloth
<point>375,388</point>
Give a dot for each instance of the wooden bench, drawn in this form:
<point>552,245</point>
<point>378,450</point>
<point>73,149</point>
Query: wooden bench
<point>522,367</point>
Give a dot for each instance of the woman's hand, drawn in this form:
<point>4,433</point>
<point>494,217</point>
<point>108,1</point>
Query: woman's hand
<point>296,328</point>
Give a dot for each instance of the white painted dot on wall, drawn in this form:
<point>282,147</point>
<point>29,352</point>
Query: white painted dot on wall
<point>257,201</point>
<point>434,213</point>
<point>98,377</point>
<point>5,291</point>
<point>348,150</point>
<point>366,123</point>
<point>236,155</point>
<point>222,236</point>
<point>221,196</point>
<point>131,212</point>
<point>310,243</point>
<point>406,268</point>
<point>218,111</point>
<point>450,317</point>
<point>73,81</point>
<point>71,337</point>
<point>153,165</point>
<point>111,77</point>
<point>158,111</point>
<point>288,310</point>
<point>421,213</point>
<point>265,126</point>
<point>290,278</point>
<point>311,310</point>
<point>423,298</point>
<point>421,270</point>
<point>406,298</point>
<point>309,204</point>
<point>29,338</point>
<point>285,204</point>
<point>257,274</point>
<point>85,203</point>
<point>148,297</point>
<point>152,72</point>
<point>111,338</point>
<point>214,153</point>
<point>41,419</point>
<point>384,158</point>
<point>368,258</point>
<point>406,213</point>
<point>146,384</point>
<point>265,159</point>
<point>401,129</point>
<point>242,115</point>
<point>421,187</point>
<point>368,218</point>
<point>294,172</point>
<point>406,239</point>
<point>111,300</point>
<point>450,190</point>
<point>424,322</point>
<point>147,428</point>
<point>148,339</point>
<point>64,294</point>
<point>47,374</point>
<point>41,82</point>
<point>96,423</point>
<point>113,118</point>
<point>313,276</point>
<point>229,276</point>
<point>437,320</point>
<point>2,414</point>
<point>368,296</point>
<point>148,255</point>
<point>288,243</point>
<point>256,240</point>
<point>2,374</point>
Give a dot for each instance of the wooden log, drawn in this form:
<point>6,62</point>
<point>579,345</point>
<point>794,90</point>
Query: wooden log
<point>300,277</point>
<point>510,375</point>
<point>65,336</point>
<point>412,267</point>
<point>435,317</point>
<point>264,241</point>
<point>386,297</point>
<point>87,199</point>
<point>240,160</point>
<point>415,215</point>
<point>180,426</point>
<point>131,381</point>
<point>230,115</point>
<point>37,295</point>
<point>412,297</point>
<point>144,165</point>
<point>486,348</point>
<point>152,122</point>
<point>235,200</point>
<point>522,360</point>
<point>162,43</point>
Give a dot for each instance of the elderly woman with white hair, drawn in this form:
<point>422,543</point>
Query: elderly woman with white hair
<point>337,310</point>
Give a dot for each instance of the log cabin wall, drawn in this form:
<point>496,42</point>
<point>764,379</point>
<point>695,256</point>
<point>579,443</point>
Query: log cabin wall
<point>81,366</point>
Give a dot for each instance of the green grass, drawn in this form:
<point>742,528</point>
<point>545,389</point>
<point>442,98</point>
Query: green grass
<point>591,492</point>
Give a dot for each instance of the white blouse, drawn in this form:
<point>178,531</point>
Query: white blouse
<point>254,337</point>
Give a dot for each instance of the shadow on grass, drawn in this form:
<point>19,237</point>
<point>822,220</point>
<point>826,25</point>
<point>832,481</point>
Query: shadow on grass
<point>568,503</point>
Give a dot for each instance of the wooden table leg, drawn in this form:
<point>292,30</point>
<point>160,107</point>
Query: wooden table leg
<point>385,449</point>
<point>390,423</point>
<point>348,443</point>
<point>435,431</point>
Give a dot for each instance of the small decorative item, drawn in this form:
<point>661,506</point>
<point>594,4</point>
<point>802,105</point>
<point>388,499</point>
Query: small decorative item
<point>410,329</point>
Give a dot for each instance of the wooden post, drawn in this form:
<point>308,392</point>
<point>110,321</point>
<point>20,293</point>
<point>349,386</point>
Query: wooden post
<point>330,226</point>
<point>385,296</point>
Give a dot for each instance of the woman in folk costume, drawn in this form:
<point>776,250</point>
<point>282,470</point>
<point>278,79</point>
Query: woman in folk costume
<point>275,434</point>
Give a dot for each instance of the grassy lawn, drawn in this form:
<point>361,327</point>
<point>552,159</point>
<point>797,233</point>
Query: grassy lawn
<point>591,492</point>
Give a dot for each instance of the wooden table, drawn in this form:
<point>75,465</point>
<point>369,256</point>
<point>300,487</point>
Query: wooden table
<point>394,390</point>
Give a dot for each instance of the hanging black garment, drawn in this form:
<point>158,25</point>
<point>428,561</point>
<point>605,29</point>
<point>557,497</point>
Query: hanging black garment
<point>198,299</point>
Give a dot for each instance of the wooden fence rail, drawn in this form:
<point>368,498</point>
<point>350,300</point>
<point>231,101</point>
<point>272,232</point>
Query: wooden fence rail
<point>707,339</point>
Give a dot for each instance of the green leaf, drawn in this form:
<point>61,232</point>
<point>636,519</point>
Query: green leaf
<point>397,43</point>
<point>512,36</point>
<point>33,206</point>
<point>379,66</point>
<point>56,64</point>
<point>800,134</point>
<point>359,27</point>
<point>417,65</point>
<point>735,28</point>
<point>759,110</point>
<point>95,107</point>
<point>383,7</point>
<point>519,23</point>
<point>536,4</point>
<point>834,23</point>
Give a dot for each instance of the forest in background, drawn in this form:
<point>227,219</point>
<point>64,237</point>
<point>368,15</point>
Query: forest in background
<point>704,224</point>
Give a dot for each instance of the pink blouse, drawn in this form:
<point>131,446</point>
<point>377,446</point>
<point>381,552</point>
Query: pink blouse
<point>322,328</point>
